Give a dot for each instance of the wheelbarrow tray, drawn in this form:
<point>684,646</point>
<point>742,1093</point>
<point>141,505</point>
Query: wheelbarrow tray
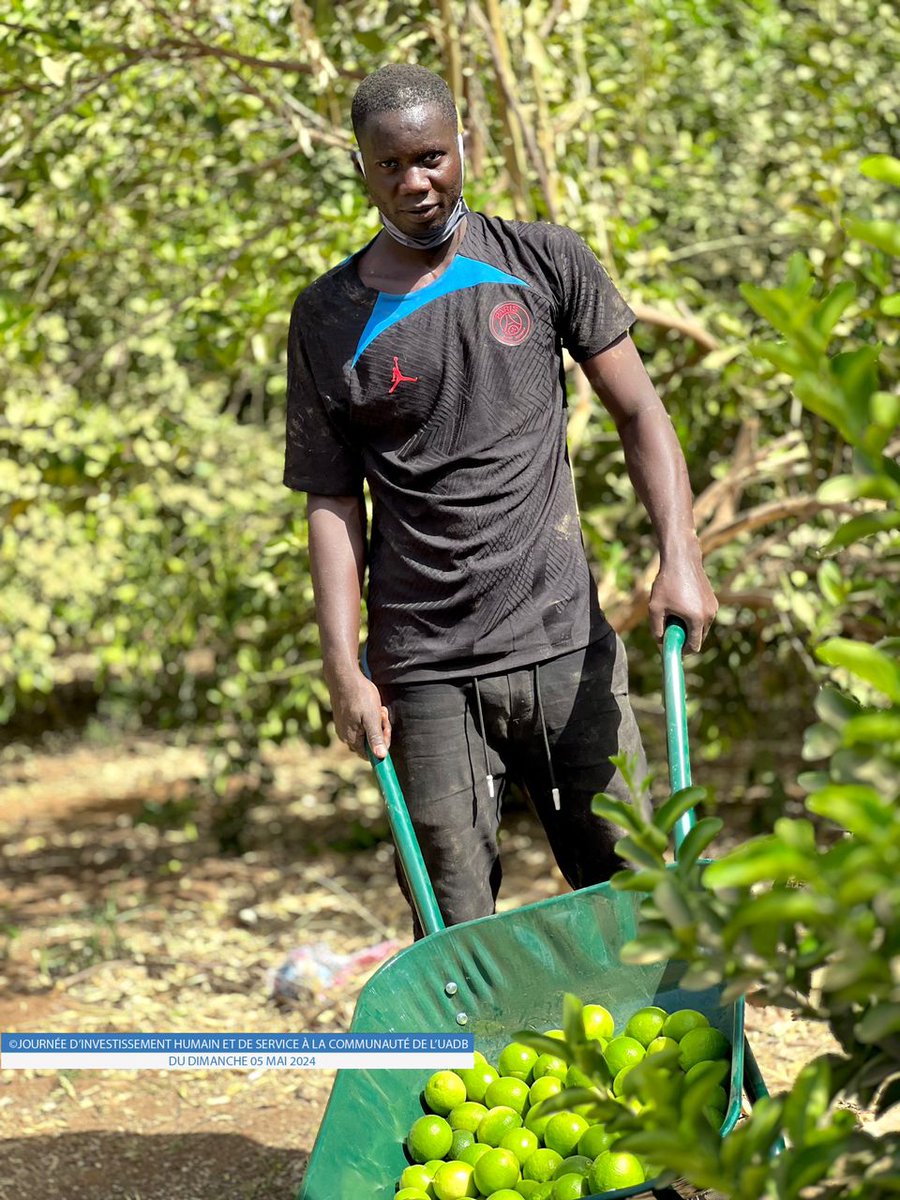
<point>511,971</point>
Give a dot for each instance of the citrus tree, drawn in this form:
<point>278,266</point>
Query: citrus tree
<point>171,176</point>
<point>808,916</point>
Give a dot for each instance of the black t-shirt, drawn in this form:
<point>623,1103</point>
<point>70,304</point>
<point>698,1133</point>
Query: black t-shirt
<point>450,402</point>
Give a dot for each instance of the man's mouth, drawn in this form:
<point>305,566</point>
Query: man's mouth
<point>422,212</point>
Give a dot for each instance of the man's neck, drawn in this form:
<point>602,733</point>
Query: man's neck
<point>389,266</point>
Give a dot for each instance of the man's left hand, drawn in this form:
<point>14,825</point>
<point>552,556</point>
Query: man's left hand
<point>681,589</point>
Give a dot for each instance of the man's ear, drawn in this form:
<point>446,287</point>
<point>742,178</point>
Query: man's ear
<point>357,160</point>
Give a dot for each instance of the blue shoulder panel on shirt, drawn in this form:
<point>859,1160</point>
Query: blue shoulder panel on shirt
<point>462,273</point>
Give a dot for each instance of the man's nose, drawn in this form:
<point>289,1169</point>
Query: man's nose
<point>415,179</point>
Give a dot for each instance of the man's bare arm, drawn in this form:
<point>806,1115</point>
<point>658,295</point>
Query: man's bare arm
<point>659,473</point>
<point>337,555</point>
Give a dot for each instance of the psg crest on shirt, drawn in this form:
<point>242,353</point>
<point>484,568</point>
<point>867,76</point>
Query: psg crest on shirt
<point>510,323</point>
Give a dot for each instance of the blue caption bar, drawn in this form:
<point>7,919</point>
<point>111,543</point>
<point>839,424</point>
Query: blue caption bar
<point>279,1043</point>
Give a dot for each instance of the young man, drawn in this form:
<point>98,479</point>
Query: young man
<point>430,365</point>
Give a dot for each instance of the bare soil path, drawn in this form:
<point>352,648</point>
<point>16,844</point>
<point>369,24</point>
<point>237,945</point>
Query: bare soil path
<point>118,912</point>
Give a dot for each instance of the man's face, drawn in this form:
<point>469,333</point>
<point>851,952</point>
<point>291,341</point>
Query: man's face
<point>413,168</point>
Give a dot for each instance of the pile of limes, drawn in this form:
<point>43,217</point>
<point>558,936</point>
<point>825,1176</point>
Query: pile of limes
<point>482,1135</point>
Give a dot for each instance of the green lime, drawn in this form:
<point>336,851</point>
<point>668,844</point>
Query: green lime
<point>477,1079</point>
<point>568,1187</point>
<point>697,1069</point>
<point>576,1164</point>
<point>517,1059</point>
<point>594,1141</point>
<point>619,1081</point>
<point>646,1024</point>
<point>462,1139</point>
<point>623,1052</point>
<point>443,1091</point>
<point>454,1181</point>
<point>575,1077</point>
<point>467,1115</point>
<point>496,1122</point>
<point>598,1022</point>
<point>681,1022</point>
<point>508,1091</point>
<point>429,1137</point>
<point>472,1153</point>
<point>537,1123</point>
<point>527,1188</point>
<point>544,1191</point>
<point>543,1088</point>
<point>612,1170</point>
<point>702,1045</point>
<point>418,1176</point>
<point>522,1142</point>
<point>412,1193</point>
<point>542,1165</point>
<point>563,1132</point>
<point>715,1116</point>
<point>662,1043</point>
<point>555,1033</point>
<point>549,1064</point>
<point>505,1194</point>
<point>718,1099</point>
<point>497,1169</point>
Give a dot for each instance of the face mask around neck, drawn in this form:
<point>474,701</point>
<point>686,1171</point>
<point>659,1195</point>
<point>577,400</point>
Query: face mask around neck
<point>437,237</point>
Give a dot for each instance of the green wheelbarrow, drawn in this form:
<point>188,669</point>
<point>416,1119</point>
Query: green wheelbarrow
<point>497,974</point>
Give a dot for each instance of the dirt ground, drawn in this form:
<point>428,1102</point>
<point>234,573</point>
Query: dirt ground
<point>118,912</point>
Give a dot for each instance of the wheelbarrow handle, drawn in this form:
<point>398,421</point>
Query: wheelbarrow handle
<point>676,721</point>
<point>411,862</point>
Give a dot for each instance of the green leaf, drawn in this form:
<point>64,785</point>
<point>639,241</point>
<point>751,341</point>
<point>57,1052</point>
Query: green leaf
<point>696,841</point>
<point>820,741</point>
<point>831,583</point>
<point>883,234</point>
<point>855,807</point>
<point>759,860</point>
<point>832,308</point>
<point>543,1044</point>
<point>807,1100</point>
<point>880,726</point>
<point>567,1099</point>
<point>637,881</point>
<point>632,851</point>
<point>617,812</point>
<point>864,661</point>
<point>649,948</point>
<point>862,527</point>
<point>834,707</point>
<point>784,906</point>
<point>883,167</point>
<point>573,1021</point>
<point>671,904</point>
<point>55,70</point>
<point>878,1023</point>
<point>666,816</point>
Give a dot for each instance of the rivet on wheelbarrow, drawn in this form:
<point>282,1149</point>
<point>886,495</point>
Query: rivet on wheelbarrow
<point>462,1018</point>
<point>451,988</point>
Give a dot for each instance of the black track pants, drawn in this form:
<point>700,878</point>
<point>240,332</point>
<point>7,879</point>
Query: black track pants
<point>438,749</point>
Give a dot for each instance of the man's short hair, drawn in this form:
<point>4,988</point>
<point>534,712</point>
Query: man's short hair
<point>398,86</point>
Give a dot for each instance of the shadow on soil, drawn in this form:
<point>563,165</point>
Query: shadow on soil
<point>126,1166</point>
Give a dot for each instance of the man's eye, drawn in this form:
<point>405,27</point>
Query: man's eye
<point>433,156</point>
<point>388,164</point>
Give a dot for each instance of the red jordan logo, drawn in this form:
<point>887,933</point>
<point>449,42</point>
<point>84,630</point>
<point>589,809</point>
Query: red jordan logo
<point>397,377</point>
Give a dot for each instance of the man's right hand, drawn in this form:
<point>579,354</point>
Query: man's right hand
<point>359,715</point>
